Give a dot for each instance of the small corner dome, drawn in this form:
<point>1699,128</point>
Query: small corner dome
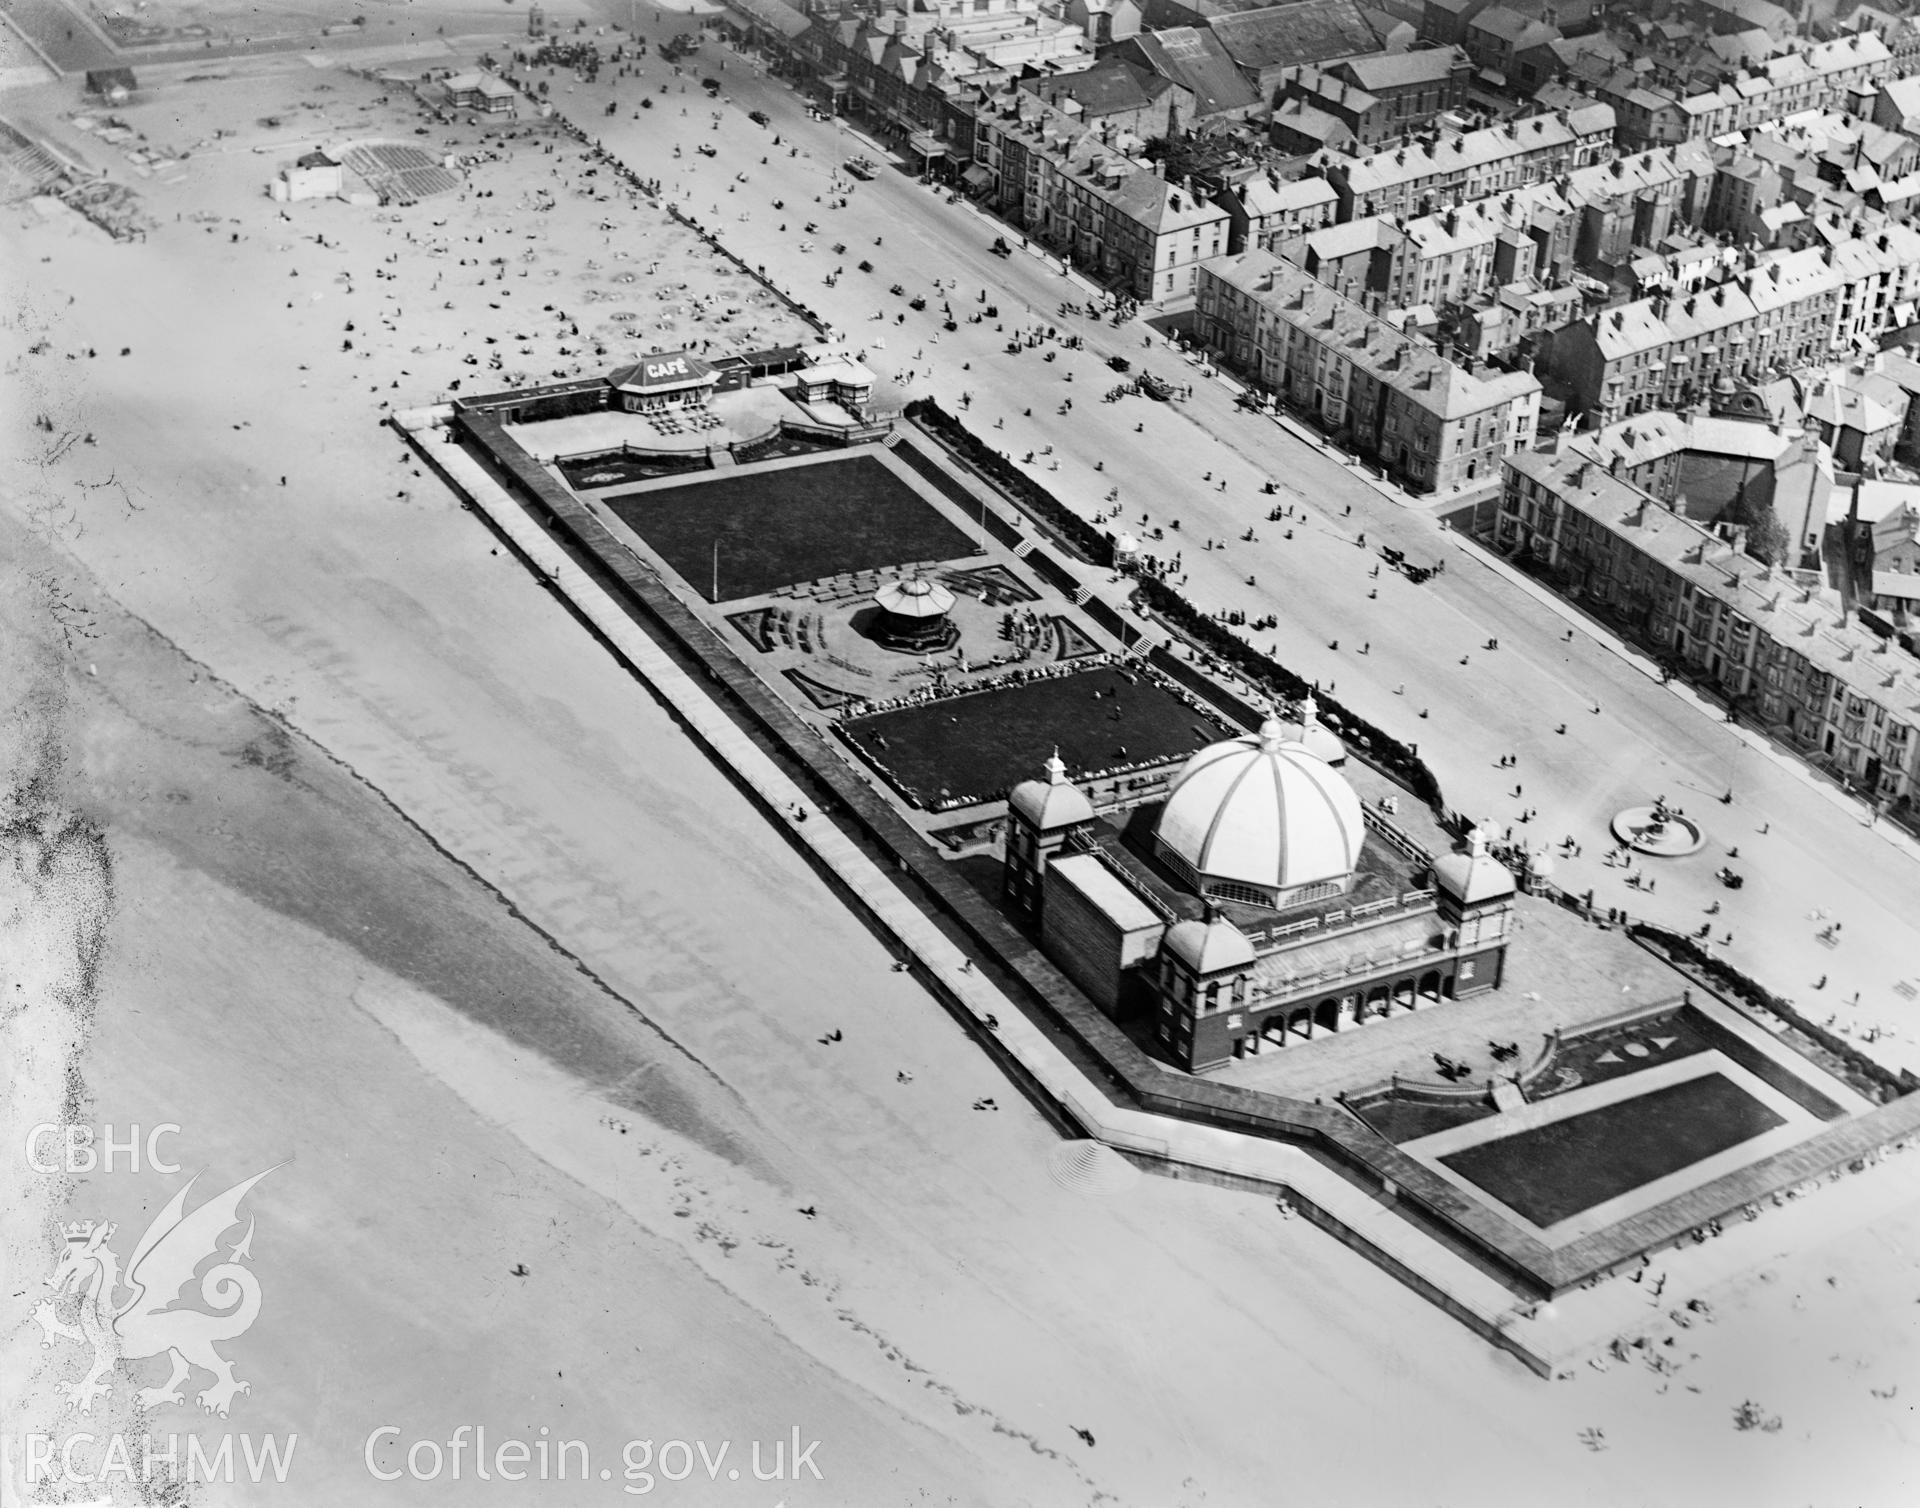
<point>1473,875</point>
<point>1314,736</point>
<point>1052,803</point>
<point>1208,947</point>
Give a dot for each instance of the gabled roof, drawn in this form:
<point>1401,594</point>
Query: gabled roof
<point>1333,243</point>
<point>1847,407</point>
<point>1742,49</point>
<point>1195,59</point>
<point>1160,207</point>
<point>1331,89</point>
<point>1903,95</point>
<point>1633,442</point>
<point>1738,437</point>
<point>1511,27</point>
<point>1377,72</point>
<point>1628,330</point>
<point>1112,86</point>
<point>1308,31</point>
<point>1855,657</point>
<point>1411,368</point>
<point>1261,196</point>
<point>772,14</point>
<point>1411,164</point>
<point>1312,123</point>
<point>1761,13</point>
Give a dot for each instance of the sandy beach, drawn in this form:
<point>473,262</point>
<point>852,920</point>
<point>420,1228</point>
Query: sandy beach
<point>374,869</point>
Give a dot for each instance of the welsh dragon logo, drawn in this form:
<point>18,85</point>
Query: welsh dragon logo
<point>162,1265</point>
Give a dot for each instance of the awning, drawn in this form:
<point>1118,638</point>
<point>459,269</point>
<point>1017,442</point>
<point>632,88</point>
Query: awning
<point>1492,77</point>
<point>978,175</point>
<point>927,144</point>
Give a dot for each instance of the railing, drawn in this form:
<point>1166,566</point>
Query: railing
<point>1153,902</point>
<point>851,434</point>
<point>1559,1038</point>
<point>1372,963</point>
<point>1335,921</point>
<point>1425,1090</point>
<point>1395,834</point>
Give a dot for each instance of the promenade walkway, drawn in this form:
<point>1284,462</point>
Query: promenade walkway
<point>1546,1337</point>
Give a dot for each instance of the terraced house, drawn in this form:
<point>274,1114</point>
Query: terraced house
<point>1434,426</point>
<point>1383,95</point>
<point>1592,217</point>
<point>1264,210</point>
<point>1816,76</point>
<point>1086,194</point>
<point>1782,313</point>
<point>1846,698</point>
<point>1418,178</point>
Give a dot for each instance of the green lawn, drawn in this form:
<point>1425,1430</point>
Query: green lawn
<point>1561,1169</point>
<point>768,529</point>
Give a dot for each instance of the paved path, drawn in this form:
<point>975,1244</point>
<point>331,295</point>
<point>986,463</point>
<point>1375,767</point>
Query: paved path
<point>1546,1338</point>
<point>1393,657</point>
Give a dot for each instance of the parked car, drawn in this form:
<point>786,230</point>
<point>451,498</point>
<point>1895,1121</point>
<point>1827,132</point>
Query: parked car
<point>759,117</point>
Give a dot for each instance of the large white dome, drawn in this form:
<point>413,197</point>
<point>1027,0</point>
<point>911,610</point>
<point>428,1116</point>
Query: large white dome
<point>1262,812</point>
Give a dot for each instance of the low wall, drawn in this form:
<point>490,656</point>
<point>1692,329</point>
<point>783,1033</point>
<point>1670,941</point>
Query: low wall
<point>1110,1060</point>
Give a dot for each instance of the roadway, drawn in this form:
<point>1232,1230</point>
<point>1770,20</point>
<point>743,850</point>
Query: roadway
<point>1413,659</point>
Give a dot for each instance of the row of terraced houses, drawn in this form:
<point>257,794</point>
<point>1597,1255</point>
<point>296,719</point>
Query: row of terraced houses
<point>1844,697</point>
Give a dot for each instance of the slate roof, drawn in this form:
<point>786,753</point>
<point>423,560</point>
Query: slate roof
<point>1396,165</point>
<point>1111,86</point>
<point>1308,31</point>
<point>1196,59</point>
<point>1377,72</point>
<point>1408,366</point>
<point>1814,630</point>
<point>1311,125</point>
<point>774,15</point>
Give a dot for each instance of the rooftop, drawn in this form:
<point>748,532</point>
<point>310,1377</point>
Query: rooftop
<point>1198,60</point>
<point>1456,153</point>
<point>1309,31</point>
<point>1787,613</point>
<point>1262,196</point>
<point>1407,366</point>
<point>1378,72</point>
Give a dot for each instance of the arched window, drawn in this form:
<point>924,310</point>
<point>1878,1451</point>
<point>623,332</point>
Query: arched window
<point>1319,890</point>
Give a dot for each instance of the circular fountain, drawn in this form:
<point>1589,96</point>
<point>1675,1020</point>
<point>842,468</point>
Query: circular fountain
<point>1659,831</point>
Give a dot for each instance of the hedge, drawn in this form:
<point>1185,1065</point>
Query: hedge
<point>1379,748</point>
<point>1730,980</point>
<point>1034,500</point>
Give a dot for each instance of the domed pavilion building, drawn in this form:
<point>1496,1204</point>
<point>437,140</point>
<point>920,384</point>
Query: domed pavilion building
<point>1258,905</point>
<point>912,616</point>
